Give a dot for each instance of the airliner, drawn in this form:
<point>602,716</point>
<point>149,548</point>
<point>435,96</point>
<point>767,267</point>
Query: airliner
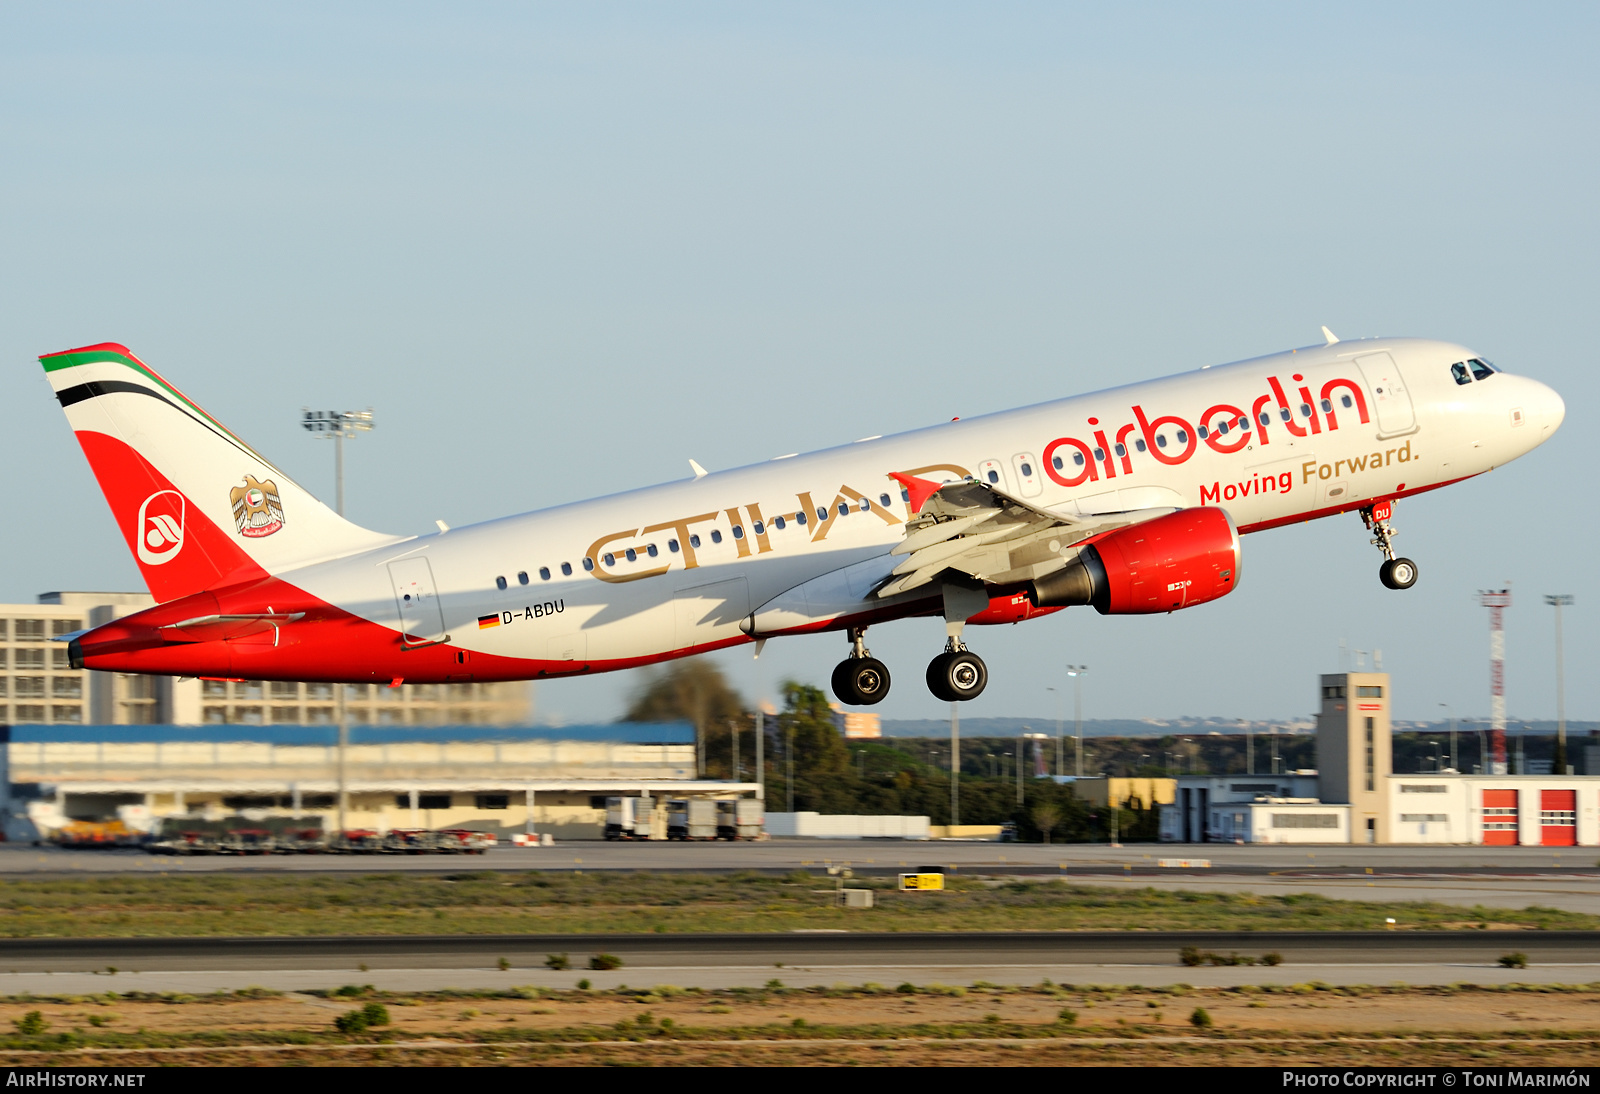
<point>1131,500</point>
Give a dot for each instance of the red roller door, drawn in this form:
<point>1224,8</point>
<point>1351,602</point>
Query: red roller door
<point>1500,817</point>
<point>1558,818</point>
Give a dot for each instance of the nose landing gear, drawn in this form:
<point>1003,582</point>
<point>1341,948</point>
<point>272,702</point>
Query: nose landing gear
<point>860,679</point>
<point>1395,573</point>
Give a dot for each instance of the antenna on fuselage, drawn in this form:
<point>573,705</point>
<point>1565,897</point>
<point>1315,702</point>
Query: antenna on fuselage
<point>699,472</point>
<point>1329,335</point>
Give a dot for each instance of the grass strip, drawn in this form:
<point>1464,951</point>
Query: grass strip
<point>487,902</point>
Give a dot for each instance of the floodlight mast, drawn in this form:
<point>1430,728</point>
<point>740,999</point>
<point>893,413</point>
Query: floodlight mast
<point>336,425</point>
<point>1559,601</point>
<point>1076,672</point>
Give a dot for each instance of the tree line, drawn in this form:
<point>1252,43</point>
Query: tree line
<point>810,766</point>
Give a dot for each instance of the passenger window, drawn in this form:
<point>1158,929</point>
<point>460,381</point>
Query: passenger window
<point>609,559</point>
<point>1141,446</point>
<point>994,476</point>
<point>1305,410</point>
<point>822,515</point>
<point>1122,450</point>
<point>1027,471</point>
<point>759,527</point>
<point>1057,461</point>
<point>778,523</point>
<point>1284,414</point>
<point>1183,437</point>
<point>694,540</point>
<point>883,499</point>
<point>1077,458</point>
<point>866,505</point>
<point>566,568</point>
<point>1161,440</point>
<point>716,535</point>
<point>1244,425</point>
<point>633,556</point>
<point>1347,402</point>
<point>672,545</point>
<point>588,563</point>
<point>500,583</point>
<point>1480,371</point>
<point>1222,429</point>
<point>1266,419</point>
<point>1204,433</point>
<point>1099,454</point>
<point>844,508</point>
<point>738,532</point>
<point>800,519</point>
<point>1327,406</point>
<point>544,573</point>
<point>522,577</point>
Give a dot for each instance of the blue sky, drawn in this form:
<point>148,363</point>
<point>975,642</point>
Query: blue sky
<point>563,249</point>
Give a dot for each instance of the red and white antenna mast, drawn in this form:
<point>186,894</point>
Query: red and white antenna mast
<point>1497,603</point>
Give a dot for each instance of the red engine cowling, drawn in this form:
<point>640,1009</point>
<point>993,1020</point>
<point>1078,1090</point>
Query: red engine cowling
<point>1171,562</point>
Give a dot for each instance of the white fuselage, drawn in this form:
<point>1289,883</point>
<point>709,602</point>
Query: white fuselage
<point>700,567</point>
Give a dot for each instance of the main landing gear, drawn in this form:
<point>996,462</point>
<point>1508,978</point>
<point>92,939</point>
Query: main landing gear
<point>860,679</point>
<point>956,675</point>
<point>1395,573</point>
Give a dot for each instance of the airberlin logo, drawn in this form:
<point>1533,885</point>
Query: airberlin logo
<point>160,527</point>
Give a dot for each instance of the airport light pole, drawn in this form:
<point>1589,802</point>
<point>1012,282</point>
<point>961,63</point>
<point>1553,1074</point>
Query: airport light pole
<point>955,765</point>
<point>1455,761</point>
<point>788,759</point>
<point>1076,672</point>
<point>761,758</point>
<point>1061,761</point>
<point>336,425</point>
<point>1559,601</point>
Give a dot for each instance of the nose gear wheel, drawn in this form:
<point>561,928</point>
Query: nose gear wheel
<point>1395,573</point>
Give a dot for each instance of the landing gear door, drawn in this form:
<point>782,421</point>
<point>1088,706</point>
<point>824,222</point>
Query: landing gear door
<point>421,615</point>
<point>1391,402</point>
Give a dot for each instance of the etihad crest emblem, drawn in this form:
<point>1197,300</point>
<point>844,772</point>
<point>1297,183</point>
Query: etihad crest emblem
<point>257,508</point>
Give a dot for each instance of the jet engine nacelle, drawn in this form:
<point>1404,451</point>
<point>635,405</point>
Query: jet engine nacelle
<point>1161,565</point>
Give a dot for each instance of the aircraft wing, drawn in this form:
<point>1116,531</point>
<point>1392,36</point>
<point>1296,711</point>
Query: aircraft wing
<point>991,536</point>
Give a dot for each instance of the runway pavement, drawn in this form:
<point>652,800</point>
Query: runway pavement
<point>60,966</point>
<point>884,855</point>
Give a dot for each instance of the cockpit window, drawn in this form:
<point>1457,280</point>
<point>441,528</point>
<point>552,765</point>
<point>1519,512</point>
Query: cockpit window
<point>1481,370</point>
<point>1460,373</point>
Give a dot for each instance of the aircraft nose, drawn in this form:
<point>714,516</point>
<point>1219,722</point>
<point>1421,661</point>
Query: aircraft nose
<point>1550,408</point>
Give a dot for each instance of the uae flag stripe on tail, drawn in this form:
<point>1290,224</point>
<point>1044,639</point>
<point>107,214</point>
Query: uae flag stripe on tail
<point>486,621</point>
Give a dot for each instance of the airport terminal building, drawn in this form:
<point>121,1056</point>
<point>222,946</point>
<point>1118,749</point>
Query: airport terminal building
<point>82,745</point>
<point>1354,796</point>
<point>499,780</point>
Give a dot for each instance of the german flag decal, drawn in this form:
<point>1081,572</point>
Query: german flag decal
<point>487,621</point>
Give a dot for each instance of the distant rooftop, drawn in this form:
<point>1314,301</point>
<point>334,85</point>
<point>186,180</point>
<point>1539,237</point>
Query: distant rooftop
<point>639,733</point>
